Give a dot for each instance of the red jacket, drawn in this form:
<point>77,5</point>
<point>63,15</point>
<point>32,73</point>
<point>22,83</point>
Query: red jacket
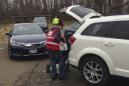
<point>53,39</point>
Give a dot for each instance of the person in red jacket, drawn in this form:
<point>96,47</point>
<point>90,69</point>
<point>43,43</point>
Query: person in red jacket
<point>53,46</point>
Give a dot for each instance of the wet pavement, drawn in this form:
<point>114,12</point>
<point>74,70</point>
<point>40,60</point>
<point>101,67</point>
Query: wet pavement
<point>39,77</point>
<point>31,71</point>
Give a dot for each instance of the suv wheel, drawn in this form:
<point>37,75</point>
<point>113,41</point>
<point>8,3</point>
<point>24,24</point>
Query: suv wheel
<point>95,71</point>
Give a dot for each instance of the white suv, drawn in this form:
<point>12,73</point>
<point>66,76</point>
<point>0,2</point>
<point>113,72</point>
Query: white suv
<point>100,48</point>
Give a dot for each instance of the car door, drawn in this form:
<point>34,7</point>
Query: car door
<point>80,12</point>
<point>117,47</point>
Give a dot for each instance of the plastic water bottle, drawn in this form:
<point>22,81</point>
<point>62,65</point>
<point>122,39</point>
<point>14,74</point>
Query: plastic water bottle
<point>57,68</point>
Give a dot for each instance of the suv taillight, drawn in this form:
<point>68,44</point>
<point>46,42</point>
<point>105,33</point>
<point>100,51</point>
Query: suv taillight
<point>71,40</point>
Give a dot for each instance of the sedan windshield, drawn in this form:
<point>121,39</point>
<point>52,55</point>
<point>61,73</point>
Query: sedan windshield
<point>24,29</point>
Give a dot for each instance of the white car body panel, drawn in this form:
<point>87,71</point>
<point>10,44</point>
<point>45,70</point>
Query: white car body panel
<point>119,53</point>
<point>88,47</point>
<point>116,57</point>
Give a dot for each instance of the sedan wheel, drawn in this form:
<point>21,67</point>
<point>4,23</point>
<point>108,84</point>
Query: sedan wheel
<point>9,53</point>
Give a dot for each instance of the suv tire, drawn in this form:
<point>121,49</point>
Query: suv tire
<point>95,71</point>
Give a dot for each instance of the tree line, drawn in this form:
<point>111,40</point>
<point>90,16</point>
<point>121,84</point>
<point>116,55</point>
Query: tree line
<point>51,7</point>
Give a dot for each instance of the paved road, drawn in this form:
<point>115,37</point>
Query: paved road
<point>27,72</point>
<point>31,72</point>
<point>10,70</point>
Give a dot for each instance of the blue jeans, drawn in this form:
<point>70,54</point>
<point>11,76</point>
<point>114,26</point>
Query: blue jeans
<point>56,57</point>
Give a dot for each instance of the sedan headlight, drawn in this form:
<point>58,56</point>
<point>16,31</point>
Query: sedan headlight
<point>42,42</point>
<point>15,43</point>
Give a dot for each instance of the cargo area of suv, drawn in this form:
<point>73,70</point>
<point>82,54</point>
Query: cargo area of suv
<point>80,13</point>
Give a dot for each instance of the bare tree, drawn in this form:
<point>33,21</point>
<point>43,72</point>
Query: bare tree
<point>41,7</point>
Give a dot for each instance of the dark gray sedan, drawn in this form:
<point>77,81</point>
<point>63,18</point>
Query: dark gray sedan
<point>26,39</point>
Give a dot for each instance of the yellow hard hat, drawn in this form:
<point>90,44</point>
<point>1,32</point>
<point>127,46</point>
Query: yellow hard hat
<point>56,21</point>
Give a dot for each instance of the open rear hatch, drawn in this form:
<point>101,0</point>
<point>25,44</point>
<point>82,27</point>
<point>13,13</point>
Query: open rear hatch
<point>80,12</point>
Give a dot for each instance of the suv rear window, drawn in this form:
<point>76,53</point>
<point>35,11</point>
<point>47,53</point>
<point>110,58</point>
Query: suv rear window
<point>103,29</point>
<point>81,11</point>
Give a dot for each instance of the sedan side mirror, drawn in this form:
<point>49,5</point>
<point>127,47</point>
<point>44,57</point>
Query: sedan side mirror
<point>8,34</point>
<point>46,31</point>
